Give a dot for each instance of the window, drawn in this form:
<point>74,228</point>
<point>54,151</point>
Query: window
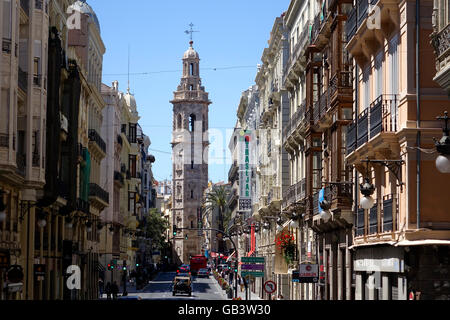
<point>7,19</point>
<point>132,133</point>
<point>191,69</point>
<point>179,122</point>
<point>191,87</point>
<point>132,165</point>
<point>192,119</point>
<point>379,74</point>
<point>366,88</point>
<point>192,194</point>
<point>192,164</point>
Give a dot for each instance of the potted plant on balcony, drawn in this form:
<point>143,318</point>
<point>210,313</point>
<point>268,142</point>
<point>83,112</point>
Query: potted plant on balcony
<point>286,244</point>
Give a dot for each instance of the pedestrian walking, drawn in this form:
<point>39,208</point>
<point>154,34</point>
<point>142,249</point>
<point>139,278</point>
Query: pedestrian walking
<point>108,290</point>
<point>100,287</point>
<point>114,290</point>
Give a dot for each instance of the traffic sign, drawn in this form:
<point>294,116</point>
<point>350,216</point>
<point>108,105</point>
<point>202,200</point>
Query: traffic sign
<point>252,273</point>
<point>252,260</point>
<point>270,287</point>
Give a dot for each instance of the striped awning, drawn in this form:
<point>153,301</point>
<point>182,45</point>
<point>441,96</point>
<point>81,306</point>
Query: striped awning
<point>100,267</point>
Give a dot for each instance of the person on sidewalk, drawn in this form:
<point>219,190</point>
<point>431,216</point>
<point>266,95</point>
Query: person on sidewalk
<point>108,290</point>
<point>100,287</point>
<point>114,290</point>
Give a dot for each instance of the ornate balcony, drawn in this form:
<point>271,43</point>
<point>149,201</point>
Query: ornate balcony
<point>233,172</point>
<point>297,59</point>
<point>321,28</point>
<point>369,23</point>
<point>377,127</point>
<point>341,88</point>
<point>96,143</point>
<point>97,196</point>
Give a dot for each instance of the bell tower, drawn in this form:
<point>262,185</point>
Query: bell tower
<point>189,155</point>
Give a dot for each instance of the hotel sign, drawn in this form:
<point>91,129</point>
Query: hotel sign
<point>245,171</point>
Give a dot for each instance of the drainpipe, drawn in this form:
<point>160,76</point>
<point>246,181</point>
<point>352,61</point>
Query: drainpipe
<point>418,109</point>
<point>356,137</point>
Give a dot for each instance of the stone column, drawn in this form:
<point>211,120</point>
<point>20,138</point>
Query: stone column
<point>340,273</point>
<point>386,286</point>
<point>359,290</point>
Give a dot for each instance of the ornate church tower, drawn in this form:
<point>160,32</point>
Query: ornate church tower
<point>189,155</point>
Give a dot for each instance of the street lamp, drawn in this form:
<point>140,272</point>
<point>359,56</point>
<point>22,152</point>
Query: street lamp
<point>2,207</point>
<point>443,147</point>
<point>41,220</point>
<point>69,223</point>
<point>88,226</point>
<point>367,189</point>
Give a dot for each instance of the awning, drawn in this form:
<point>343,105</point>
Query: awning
<point>430,242</point>
<point>100,267</point>
<point>372,244</point>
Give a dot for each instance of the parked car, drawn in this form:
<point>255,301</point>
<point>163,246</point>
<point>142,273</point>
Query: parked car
<point>182,285</point>
<point>184,268</point>
<point>203,272</point>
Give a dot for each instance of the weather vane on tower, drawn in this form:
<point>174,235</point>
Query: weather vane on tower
<point>190,32</point>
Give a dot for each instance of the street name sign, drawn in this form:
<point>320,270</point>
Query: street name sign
<point>249,267</point>
<point>253,260</point>
<point>252,274</point>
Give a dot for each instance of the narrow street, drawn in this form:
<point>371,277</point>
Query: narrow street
<point>161,289</point>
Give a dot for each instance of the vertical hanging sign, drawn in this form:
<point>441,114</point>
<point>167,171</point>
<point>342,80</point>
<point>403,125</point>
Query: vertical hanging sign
<point>245,171</point>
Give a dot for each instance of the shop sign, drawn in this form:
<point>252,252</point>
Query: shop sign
<point>307,273</point>
<point>245,171</point>
<point>388,259</point>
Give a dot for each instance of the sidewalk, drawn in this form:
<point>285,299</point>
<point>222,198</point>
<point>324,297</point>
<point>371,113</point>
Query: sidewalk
<point>253,296</point>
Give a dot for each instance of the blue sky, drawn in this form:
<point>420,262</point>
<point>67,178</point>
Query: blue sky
<point>232,35</point>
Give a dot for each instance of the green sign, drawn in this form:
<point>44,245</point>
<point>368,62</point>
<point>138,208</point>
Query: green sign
<point>252,260</point>
<point>252,273</point>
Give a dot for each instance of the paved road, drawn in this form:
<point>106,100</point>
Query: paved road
<point>161,289</point>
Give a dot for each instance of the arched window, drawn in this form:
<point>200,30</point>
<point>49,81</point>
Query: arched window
<point>192,119</point>
<point>191,87</point>
<point>191,69</point>
<point>192,194</point>
<point>179,121</point>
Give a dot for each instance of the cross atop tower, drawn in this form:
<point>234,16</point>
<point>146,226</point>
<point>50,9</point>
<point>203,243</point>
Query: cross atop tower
<point>190,31</point>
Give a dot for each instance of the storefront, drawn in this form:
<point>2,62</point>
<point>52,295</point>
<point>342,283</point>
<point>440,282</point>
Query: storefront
<point>380,273</point>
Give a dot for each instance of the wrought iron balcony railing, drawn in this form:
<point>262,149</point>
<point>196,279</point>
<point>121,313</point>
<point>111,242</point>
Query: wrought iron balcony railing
<point>96,191</point>
<point>383,115</point>
<point>95,137</point>
<point>363,127</point>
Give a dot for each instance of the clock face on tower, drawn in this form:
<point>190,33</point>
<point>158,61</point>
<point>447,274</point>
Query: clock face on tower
<point>190,118</point>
